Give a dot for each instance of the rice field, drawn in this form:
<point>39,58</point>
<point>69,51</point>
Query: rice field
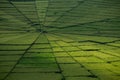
<point>59,40</point>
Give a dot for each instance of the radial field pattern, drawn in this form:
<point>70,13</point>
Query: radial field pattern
<point>59,40</point>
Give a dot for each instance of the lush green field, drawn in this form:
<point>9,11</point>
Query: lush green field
<point>59,40</point>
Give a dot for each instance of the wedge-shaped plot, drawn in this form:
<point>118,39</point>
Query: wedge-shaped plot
<point>103,66</point>
<point>65,60</point>
<point>61,43</point>
<point>28,39</point>
<point>37,60</point>
<point>105,47</point>
<point>101,39</point>
<point>74,70</point>
<point>85,43</point>
<point>70,48</point>
<point>98,66</point>
<point>40,65</point>
<point>12,57</point>
<point>110,77</point>
<point>106,74</point>
<point>57,49</point>
<point>27,6</point>
<point>42,39</point>
<point>13,47</point>
<point>53,44</point>
<point>4,69</point>
<point>74,43</point>
<point>50,36</point>
<point>64,38</point>
<point>11,52</point>
<point>80,53</point>
<point>41,50</point>
<point>105,56</point>
<point>114,52</point>
<point>36,68</point>
<point>7,63</point>
<point>81,78</point>
<point>42,6</point>
<point>115,44</point>
<point>89,47</point>
<point>41,46</point>
<point>88,59</point>
<point>39,55</point>
<point>34,76</point>
<point>61,54</point>
<point>2,75</point>
<point>103,72</point>
<point>6,38</point>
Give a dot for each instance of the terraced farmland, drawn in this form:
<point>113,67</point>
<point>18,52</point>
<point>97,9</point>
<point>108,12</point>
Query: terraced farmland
<point>59,39</point>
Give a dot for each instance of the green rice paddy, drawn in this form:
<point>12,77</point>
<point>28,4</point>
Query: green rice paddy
<point>59,40</point>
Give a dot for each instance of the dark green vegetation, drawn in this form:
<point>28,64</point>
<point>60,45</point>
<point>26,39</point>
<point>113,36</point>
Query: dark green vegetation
<point>59,39</point>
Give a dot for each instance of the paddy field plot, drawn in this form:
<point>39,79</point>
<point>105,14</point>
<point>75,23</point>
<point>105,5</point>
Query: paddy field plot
<point>59,40</point>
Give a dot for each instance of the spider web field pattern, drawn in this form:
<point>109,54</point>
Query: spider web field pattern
<point>59,40</point>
